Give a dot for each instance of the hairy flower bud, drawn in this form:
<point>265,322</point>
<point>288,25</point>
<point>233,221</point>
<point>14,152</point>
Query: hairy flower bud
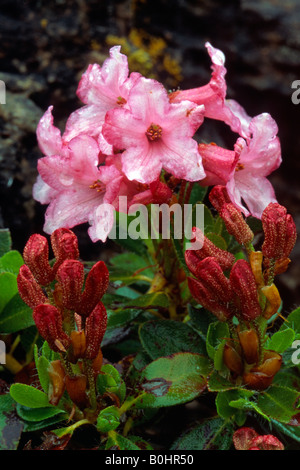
<point>209,249</point>
<point>95,328</point>
<point>236,224</point>
<point>279,230</point>
<point>96,285</point>
<point>64,245</point>
<point>36,256</point>
<point>266,442</point>
<point>211,288</point>
<point>244,287</point>
<point>49,324</point>
<point>243,437</point>
<point>218,196</point>
<point>70,276</point>
<point>29,290</point>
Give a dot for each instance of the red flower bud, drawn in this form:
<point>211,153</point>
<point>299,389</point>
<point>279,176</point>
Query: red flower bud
<point>267,442</point>
<point>70,276</point>
<point>95,328</point>
<point>212,288</point>
<point>36,256</point>
<point>209,249</point>
<point>96,285</point>
<point>244,287</point>
<point>49,324</point>
<point>243,437</point>
<point>29,290</point>
<point>236,224</point>
<point>64,245</point>
<point>218,196</point>
<point>280,232</point>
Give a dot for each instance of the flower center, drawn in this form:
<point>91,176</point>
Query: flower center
<point>239,167</point>
<point>100,187</point>
<point>154,132</point>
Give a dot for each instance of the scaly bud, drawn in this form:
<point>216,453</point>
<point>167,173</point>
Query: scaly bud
<point>250,345</point>
<point>70,276</point>
<point>280,232</point>
<point>209,249</point>
<point>76,388</point>
<point>212,288</point>
<point>78,346</point>
<point>236,224</point>
<point>273,300</point>
<point>96,285</point>
<point>218,196</point>
<point>57,382</point>
<point>261,377</point>
<point>95,328</point>
<point>232,359</point>
<point>64,245</point>
<point>30,291</point>
<point>36,256</point>
<point>49,324</point>
<point>244,286</point>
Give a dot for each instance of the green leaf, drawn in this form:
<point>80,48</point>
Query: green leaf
<point>130,268</point>
<point>200,319</point>
<point>217,332</point>
<point>10,426</point>
<point>291,431</point>
<point>5,241</point>
<point>155,299</point>
<point>42,365</point>
<point>278,402</point>
<point>217,240</point>
<point>218,383</point>
<point>141,443</point>
<point>108,419</point>
<point>223,400</point>
<point>172,380</point>
<point>281,340</point>
<point>212,434</point>
<point>8,289</point>
<point>121,317</point>
<point>39,414</point>
<point>29,396</point>
<point>11,262</point>
<point>15,316</point>
<point>164,337</point>
<point>118,442</point>
<point>198,193</point>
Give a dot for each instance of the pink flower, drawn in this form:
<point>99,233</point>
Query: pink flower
<point>260,155</point>
<point>100,89</point>
<point>155,134</point>
<point>213,95</point>
<point>76,187</point>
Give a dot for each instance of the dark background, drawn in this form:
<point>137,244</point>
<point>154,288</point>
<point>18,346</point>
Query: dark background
<point>47,45</point>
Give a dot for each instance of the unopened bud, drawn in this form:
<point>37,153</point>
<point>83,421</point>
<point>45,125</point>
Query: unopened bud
<point>29,290</point>
<point>49,324</point>
<point>232,359</point>
<point>36,256</point>
<point>64,245</point>
<point>266,442</point>
<point>212,288</point>
<point>218,196</point>
<point>236,224</point>
<point>244,286</point>
<point>95,328</point>
<point>70,276</point>
<point>57,382</point>
<point>279,230</point>
<point>209,249</point>
<point>95,287</point>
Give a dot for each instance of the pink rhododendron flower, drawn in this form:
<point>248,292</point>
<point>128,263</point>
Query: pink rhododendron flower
<point>76,187</point>
<point>155,134</point>
<point>213,96</point>
<point>101,88</point>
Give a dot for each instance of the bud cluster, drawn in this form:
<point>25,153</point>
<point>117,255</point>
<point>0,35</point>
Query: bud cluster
<point>67,307</point>
<point>244,288</point>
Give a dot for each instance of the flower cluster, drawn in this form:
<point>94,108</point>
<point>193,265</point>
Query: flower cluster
<point>247,292</point>
<point>131,134</point>
<point>67,308</point>
<point>248,439</point>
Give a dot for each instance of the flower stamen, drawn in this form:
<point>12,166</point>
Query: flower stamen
<point>154,132</point>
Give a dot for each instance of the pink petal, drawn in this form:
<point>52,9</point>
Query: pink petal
<point>149,101</point>
<point>122,129</point>
<point>218,164</point>
<point>86,120</point>
<point>142,164</point>
<point>42,192</point>
<point>48,136</point>
<point>101,221</point>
